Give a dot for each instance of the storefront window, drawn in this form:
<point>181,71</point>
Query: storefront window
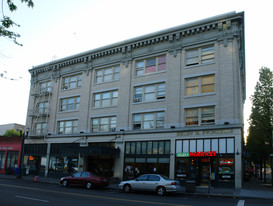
<point>12,159</point>
<point>226,169</point>
<point>63,164</point>
<point>2,159</point>
<point>156,160</point>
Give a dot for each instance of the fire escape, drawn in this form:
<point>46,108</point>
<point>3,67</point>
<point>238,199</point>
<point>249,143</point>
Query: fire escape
<point>41,110</point>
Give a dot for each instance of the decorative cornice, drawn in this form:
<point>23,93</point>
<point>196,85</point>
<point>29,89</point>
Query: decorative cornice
<point>172,35</point>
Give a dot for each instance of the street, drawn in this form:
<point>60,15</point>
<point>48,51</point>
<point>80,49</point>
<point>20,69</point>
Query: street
<point>23,193</point>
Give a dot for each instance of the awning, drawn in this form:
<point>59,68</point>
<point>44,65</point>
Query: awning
<point>35,149</point>
<point>74,149</point>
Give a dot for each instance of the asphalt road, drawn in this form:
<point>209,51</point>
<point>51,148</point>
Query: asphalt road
<point>22,193</point>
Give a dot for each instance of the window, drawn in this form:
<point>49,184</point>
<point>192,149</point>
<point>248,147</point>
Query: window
<point>104,124</point>
<point>105,99</point>
<point>41,128</point>
<point>192,116</point>
<point>151,65</point>
<point>207,115</point>
<point>72,82</point>
<point>200,55</point>
<point>200,116</point>
<point>68,127</point>
<point>45,87</point>
<point>149,92</point>
<point>154,120</point>
<point>70,104</point>
<point>200,85</point>
<point>148,147</point>
<point>107,74</point>
<point>2,159</point>
<point>43,108</point>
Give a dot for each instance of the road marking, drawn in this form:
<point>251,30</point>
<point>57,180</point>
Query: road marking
<point>241,203</point>
<point>29,198</point>
<point>95,196</point>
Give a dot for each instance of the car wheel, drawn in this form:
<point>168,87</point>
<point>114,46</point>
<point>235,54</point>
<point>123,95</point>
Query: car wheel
<point>161,191</point>
<point>88,185</point>
<point>64,183</point>
<point>127,188</point>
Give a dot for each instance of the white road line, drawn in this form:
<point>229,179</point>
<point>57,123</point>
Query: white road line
<point>29,198</point>
<point>241,203</point>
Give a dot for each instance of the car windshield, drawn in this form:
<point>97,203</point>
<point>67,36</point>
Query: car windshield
<point>165,177</point>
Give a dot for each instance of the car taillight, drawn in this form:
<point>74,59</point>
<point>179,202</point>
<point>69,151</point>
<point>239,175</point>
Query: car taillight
<point>173,183</point>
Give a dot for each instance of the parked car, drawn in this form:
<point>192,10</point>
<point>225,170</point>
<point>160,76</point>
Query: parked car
<point>151,182</point>
<point>85,179</point>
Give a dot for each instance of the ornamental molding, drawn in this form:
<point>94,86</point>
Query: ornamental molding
<point>173,36</point>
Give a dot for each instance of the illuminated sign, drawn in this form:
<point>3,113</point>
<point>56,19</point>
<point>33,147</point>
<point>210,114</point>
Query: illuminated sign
<point>197,154</point>
<point>226,162</point>
<point>203,154</point>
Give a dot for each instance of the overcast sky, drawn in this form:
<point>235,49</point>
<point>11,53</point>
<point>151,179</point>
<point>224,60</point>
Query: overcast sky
<point>59,28</point>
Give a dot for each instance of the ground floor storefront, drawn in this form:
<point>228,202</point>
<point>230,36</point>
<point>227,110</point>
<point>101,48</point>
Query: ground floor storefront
<point>62,159</point>
<point>207,157</point>
<point>10,150</point>
<point>209,161</point>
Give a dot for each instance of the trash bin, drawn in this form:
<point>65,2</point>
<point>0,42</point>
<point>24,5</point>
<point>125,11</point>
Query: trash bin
<point>190,186</point>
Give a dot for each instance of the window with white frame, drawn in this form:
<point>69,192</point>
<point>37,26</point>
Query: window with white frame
<point>149,92</point>
<point>151,120</point>
<point>200,116</point>
<point>107,74</point>
<point>200,85</point>
<point>104,124</point>
<point>68,127</point>
<point>72,82</point>
<point>70,104</point>
<point>41,128</point>
<point>45,87</point>
<point>105,99</point>
<point>200,55</point>
<point>43,108</point>
<point>151,65</point>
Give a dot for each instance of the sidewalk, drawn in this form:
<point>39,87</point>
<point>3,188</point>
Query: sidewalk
<point>253,189</point>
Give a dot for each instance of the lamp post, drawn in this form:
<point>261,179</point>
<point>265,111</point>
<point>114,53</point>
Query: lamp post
<point>22,135</point>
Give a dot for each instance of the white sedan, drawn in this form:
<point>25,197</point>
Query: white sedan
<point>151,182</point>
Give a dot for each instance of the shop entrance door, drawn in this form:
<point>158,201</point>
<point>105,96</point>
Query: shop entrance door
<point>204,171</point>
<point>101,165</point>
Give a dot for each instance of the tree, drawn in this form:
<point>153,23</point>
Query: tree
<point>7,23</point>
<point>259,140</point>
<point>11,133</point>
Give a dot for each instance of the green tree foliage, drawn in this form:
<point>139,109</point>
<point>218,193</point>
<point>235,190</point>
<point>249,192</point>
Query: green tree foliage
<point>12,133</point>
<point>259,140</point>
<point>7,23</point>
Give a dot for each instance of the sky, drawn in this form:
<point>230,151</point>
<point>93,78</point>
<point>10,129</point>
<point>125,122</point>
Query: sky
<point>56,29</point>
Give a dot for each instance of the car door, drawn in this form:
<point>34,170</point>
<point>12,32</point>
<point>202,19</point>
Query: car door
<point>75,180</point>
<point>153,182</point>
<point>84,178</point>
<point>139,183</point>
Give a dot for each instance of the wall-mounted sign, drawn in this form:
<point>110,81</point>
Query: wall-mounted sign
<point>6,148</point>
<point>183,154</point>
<point>196,154</point>
<point>203,154</point>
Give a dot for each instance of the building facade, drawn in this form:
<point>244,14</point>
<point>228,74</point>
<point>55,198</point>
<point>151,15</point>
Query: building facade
<point>169,102</point>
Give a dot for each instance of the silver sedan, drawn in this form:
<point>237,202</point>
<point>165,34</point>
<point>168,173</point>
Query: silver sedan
<point>151,182</point>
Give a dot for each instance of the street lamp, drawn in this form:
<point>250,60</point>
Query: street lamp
<point>22,135</point>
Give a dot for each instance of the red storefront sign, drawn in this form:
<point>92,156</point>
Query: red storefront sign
<point>203,154</point>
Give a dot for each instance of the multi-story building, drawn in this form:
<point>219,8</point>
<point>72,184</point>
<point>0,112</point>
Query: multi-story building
<point>169,102</point>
